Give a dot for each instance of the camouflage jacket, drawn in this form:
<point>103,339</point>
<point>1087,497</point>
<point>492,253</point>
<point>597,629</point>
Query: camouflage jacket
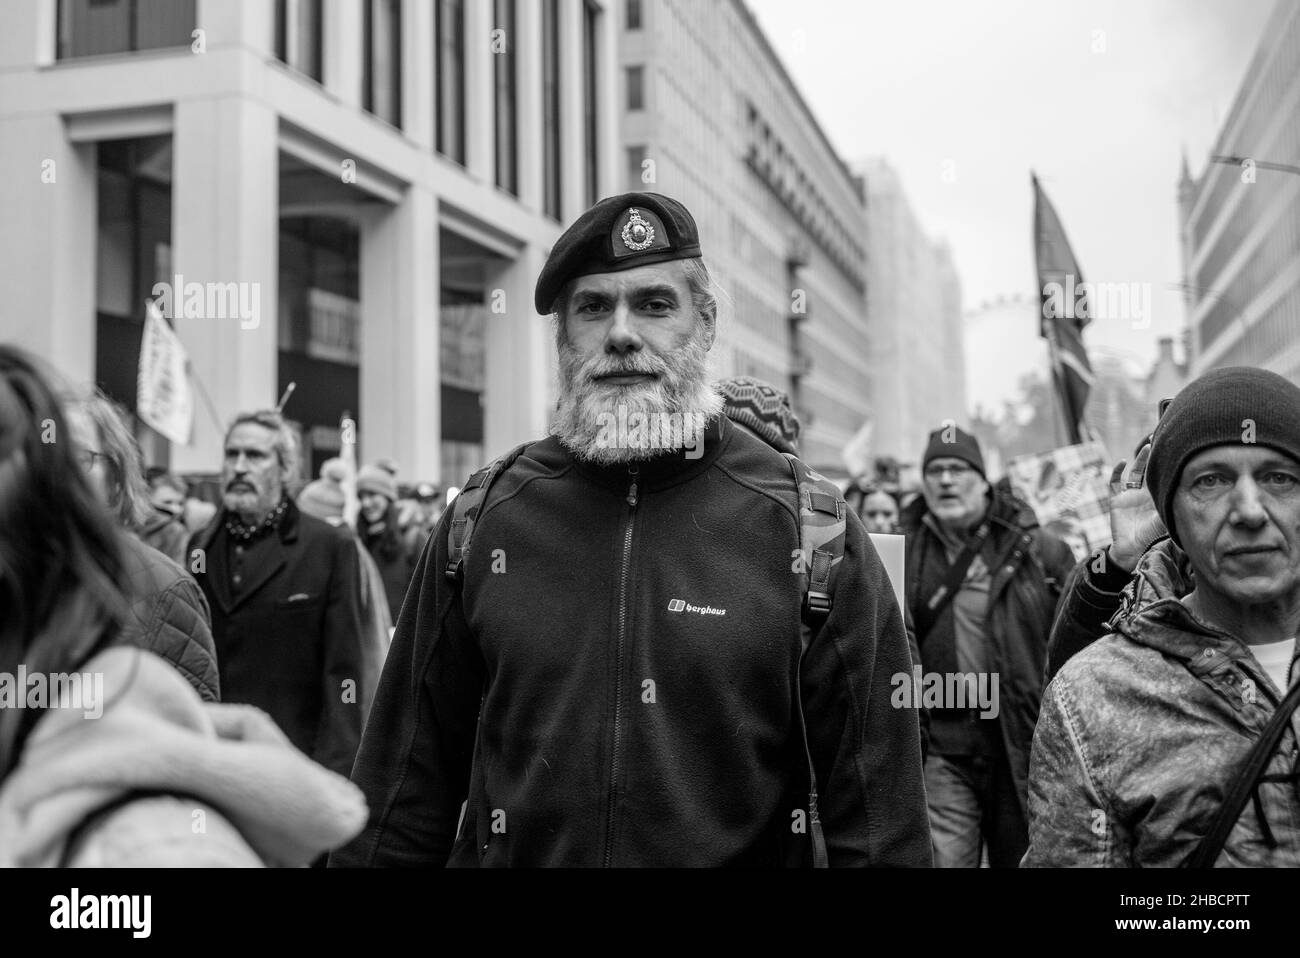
<point>1140,737</point>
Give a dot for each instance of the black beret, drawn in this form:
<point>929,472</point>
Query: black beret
<point>618,233</point>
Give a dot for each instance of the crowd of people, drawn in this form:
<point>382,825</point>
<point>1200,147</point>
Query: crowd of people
<point>673,647</point>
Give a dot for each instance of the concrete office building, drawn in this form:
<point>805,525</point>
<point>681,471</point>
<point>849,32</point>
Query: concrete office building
<point>382,178</point>
<point>916,325</point>
<point>709,115</point>
<point>1241,221</point>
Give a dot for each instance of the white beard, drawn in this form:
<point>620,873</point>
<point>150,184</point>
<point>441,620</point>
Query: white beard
<point>615,425</point>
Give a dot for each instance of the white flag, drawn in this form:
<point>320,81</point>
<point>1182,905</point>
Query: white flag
<point>857,454</point>
<point>164,398</point>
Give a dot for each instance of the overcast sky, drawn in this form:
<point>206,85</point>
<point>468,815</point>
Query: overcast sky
<point>1099,97</point>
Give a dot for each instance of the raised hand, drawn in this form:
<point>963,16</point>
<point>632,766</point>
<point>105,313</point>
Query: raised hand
<point>1134,522</point>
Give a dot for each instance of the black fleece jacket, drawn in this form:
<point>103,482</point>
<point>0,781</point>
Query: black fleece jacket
<point>614,684</point>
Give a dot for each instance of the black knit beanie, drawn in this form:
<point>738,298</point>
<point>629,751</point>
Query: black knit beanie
<point>763,409</point>
<point>1236,405</point>
<point>955,442</point>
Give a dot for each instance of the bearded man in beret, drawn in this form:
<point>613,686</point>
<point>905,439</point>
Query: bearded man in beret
<point>616,676</point>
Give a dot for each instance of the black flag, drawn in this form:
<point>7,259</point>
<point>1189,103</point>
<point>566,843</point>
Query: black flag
<point>1061,323</point>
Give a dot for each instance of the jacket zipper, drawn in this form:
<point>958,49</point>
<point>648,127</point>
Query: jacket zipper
<point>633,472</point>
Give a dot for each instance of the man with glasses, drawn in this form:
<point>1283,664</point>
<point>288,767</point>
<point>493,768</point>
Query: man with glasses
<point>982,587</point>
<point>1145,732</point>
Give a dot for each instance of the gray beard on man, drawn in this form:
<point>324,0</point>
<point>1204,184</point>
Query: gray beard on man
<point>666,415</point>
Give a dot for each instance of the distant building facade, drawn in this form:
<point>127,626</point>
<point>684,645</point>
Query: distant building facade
<point>710,116</point>
<point>383,179</point>
<point>1241,220</point>
<point>915,319</point>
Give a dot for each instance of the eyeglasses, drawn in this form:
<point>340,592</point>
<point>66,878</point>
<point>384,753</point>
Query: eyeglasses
<point>957,472</point>
<point>86,458</point>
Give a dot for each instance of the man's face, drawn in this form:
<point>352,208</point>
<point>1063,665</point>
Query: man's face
<point>168,500</point>
<point>373,506</point>
<point>955,492</point>
<point>1237,512</point>
<point>85,441</point>
<point>631,344</point>
<point>252,478</point>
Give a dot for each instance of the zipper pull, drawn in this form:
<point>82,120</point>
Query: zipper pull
<point>633,471</point>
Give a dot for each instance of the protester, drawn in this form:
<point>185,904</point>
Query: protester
<point>763,410</point>
<point>324,498</point>
<point>1144,732</point>
<point>879,511</point>
<point>169,615</point>
<point>285,595</point>
<point>614,674</point>
<point>982,584</point>
<point>380,533</point>
<point>1094,590</point>
<point>158,778</point>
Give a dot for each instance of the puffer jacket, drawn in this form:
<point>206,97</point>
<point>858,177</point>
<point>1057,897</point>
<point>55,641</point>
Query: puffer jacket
<point>1093,594</point>
<point>616,681</point>
<point>161,779</point>
<point>1140,735</point>
<point>1023,594</point>
<point>169,617</point>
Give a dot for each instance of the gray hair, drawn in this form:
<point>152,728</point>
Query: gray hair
<point>285,443</point>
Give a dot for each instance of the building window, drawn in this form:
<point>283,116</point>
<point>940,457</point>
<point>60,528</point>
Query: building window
<point>298,35</point>
<point>635,168</point>
<point>91,27</point>
<point>635,88</point>
<point>551,198</point>
<point>633,14</point>
<point>506,93</point>
<point>449,96</point>
<point>590,101</point>
<point>381,92</point>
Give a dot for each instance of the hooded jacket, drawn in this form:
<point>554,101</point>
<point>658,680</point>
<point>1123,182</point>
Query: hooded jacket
<point>614,683</point>
<point>1023,593</point>
<point>1140,736</point>
<point>161,779</point>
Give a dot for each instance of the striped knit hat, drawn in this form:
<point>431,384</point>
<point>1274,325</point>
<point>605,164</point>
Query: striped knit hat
<point>763,409</point>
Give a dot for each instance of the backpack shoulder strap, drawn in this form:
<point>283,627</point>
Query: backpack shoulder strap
<point>466,508</point>
<point>1247,780</point>
<point>823,518</point>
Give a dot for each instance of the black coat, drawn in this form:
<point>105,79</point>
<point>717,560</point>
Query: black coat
<point>395,559</point>
<point>291,644</point>
<point>1024,592</point>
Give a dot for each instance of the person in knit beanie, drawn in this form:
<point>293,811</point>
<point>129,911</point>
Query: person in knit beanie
<point>324,497</point>
<point>763,410</point>
<point>1171,703</point>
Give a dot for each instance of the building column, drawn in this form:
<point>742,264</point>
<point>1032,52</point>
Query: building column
<point>528,17</point>
<point>47,255</point>
<point>246,23</point>
<point>480,105</point>
<point>572,135</point>
<point>609,175</point>
<point>401,381</point>
<point>520,347</point>
<point>418,71</point>
<point>225,216</point>
<point>341,42</point>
